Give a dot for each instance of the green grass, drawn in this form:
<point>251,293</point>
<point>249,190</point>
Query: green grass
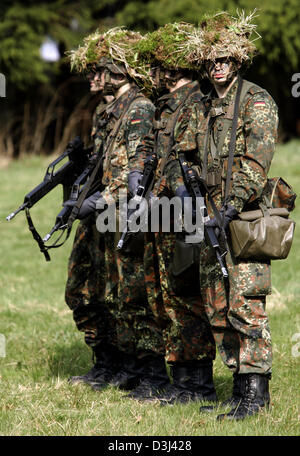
<point>43,347</point>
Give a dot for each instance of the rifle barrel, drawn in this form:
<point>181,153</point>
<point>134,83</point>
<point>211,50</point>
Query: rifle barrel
<point>13,214</point>
<point>55,228</point>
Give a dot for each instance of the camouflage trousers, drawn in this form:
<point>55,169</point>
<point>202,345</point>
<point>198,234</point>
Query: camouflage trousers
<point>137,330</point>
<point>236,310</point>
<point>85,290</point>
<point>186,330</point>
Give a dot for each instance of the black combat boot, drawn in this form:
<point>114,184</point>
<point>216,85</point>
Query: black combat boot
<point>255,397</point>
<point>192,381</point>
<point>129,373</point>
<point>106,364</point>
<point>239,386</point>
<point>154,380</point>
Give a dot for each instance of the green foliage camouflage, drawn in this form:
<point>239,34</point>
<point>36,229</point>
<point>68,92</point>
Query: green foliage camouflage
<point>222,35</point>
<point>166,46</point>
<point>117,44</point>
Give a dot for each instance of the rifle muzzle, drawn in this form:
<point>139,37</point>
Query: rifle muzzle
<point>13,214</point>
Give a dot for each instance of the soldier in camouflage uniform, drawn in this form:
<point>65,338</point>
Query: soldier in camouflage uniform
<point>189,344</point>
<point>235,308</point>
<point>128,118</point>
<point>86,283</point>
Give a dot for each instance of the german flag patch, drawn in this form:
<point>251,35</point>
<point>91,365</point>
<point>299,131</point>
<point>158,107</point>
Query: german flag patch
<point>136,121</point>
<point>258,104</point>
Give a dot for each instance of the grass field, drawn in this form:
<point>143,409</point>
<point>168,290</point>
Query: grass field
<point>41,347</point>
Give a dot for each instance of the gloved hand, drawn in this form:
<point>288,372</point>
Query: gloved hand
<point>226,216</point>
<point>134,179</point>
<point>69,203</point>
<point>89,205</point>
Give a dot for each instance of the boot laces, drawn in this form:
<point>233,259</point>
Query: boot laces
<point>249,396</point>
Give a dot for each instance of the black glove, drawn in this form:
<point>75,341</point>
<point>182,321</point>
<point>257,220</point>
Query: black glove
<point>134,179</point>
<point>89,205</point>
<point>226,217</point>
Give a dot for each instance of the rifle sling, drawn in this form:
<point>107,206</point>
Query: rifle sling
<point>36,235</point>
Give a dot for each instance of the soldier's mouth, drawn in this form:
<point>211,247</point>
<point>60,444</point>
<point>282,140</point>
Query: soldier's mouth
<point>219,75</point>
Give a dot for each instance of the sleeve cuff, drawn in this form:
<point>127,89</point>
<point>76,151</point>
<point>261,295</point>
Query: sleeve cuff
<point>237,203</point>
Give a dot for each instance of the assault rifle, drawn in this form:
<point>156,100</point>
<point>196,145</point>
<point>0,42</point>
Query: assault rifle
<point>199,189</point>
<point>142,190</point>
<point>78,158</point>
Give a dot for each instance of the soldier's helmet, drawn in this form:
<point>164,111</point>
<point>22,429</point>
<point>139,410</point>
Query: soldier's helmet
<point>221,35</point>
<point>116,52</point>
<point>166,49</point>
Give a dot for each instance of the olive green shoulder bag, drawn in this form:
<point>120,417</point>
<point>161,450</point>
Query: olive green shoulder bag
<point>266,233</point>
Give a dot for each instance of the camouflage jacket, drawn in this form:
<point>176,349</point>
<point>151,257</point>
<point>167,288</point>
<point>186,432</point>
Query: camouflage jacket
<point>169,133</point>
<point>119,150</point>
<point>255,143</point>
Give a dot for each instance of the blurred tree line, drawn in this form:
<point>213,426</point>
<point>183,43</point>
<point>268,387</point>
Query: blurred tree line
<point>46,105</point>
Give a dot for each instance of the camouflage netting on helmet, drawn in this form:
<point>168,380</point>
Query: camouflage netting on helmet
<point>165,46</point>
<point>118,45</point>
<point>222,35</point>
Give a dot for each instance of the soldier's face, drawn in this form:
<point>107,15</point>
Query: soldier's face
<point>96,81</point>
<point>221,71</point>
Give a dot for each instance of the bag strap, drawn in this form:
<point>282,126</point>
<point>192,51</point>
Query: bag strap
<point>273,191</point>
<point>233,137</point>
